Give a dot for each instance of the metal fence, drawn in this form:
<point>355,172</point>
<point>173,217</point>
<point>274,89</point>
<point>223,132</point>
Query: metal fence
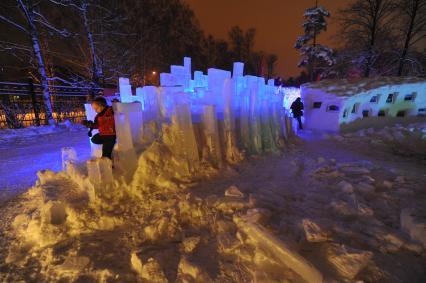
<point>21,105</point>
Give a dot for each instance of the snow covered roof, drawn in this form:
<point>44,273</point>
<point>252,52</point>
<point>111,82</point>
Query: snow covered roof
<point>345,87</point>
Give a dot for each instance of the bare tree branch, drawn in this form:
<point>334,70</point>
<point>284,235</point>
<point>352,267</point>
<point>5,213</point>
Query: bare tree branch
<point>18,26</point>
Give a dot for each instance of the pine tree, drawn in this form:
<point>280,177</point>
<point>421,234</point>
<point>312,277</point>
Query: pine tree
<point>312,52</point>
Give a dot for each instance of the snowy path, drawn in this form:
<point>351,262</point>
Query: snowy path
<point>22,157</point>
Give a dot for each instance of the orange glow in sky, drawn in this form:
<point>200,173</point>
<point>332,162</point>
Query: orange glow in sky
<point>277,22</point>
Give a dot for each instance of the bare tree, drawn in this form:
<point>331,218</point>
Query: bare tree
<point>257,62</point>
<point>366,26</point>
<point>32,20</point>
<point>413,27</point>
<point>242,43</point>
<point>271,61</point>
<point>96,72</point>
<point>93,14</point>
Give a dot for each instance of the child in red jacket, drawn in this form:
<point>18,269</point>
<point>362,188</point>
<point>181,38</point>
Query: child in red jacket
<point>104,122</point>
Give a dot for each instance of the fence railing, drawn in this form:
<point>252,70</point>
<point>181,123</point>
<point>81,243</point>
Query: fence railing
<point>21,105</point>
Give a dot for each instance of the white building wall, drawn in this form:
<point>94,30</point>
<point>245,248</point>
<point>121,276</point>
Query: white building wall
<point>351,108</point>
<point>398,105</point>
<point>319,112</point>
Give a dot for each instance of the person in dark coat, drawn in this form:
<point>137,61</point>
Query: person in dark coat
<point>297,109</point>
<point>104,122</point>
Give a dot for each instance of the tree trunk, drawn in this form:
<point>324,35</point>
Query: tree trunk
<point>312,60</point>
<point>367,67</point>
<point>28,12</point>
<point>373,31</point>
<point>408,38</point>
<point>95,68</point>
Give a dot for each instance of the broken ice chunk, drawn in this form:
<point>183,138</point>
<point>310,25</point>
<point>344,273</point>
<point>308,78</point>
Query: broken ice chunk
<point>414,223</point>
<point>313,231</point>
<point>195,273</point>
<point>258,215</point>
<point>190,244</point>
<point>345,187</point>
<point>54,212</point>
<point>73,264</point>
<point>278,250</point>
<point>100,171</point>
<point>151,270</point>
<point>347,262</point>
<point>68,154</point>
<point>233,191</point>
<point>227,243</point>
<point>387,185</point>
<point>365,188</point>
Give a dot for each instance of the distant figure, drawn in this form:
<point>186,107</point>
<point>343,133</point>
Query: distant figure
<point>104,122</point>
<point>297,109</point>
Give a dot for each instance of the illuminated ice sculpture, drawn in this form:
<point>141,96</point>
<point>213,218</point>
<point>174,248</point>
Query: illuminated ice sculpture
<point>216,118</point>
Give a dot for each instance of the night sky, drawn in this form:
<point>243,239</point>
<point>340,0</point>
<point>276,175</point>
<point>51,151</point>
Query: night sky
<point>277,22</point>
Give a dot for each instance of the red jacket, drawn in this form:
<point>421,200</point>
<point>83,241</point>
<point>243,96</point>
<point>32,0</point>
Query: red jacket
<point>104,122</point>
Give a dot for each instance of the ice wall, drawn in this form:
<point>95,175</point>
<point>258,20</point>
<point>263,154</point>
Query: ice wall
<point>125,90</point>
<point>96,150</point>
<point>129,130</point>
<point>210,119</point>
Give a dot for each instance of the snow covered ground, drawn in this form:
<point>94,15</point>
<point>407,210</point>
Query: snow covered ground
<point>23,152</point>
<point>337,207</point>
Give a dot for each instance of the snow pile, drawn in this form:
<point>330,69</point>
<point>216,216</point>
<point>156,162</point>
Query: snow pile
<point>29,132</point>
<point>409,140</point>
<point>346,87</point>
<point>61,219</point>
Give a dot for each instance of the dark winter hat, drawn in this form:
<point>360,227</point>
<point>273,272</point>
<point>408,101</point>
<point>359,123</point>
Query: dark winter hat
<point>100,100</point>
